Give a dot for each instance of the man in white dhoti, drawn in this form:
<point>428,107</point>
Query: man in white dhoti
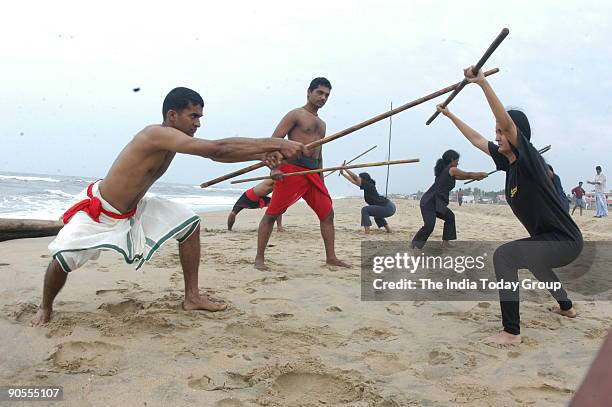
<point>114,213</point>
<point>599,188</point>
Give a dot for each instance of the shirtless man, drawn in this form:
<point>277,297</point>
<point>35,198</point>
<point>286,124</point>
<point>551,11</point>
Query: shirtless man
<point>305,126</point>
<point>116,215</point>
<point>256,197</point>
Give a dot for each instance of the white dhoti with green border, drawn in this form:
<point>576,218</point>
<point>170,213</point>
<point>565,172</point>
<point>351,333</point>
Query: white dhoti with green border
<point>137,238</point>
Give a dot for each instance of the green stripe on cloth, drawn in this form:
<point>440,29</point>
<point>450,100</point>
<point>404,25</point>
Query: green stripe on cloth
<point>194,220</point>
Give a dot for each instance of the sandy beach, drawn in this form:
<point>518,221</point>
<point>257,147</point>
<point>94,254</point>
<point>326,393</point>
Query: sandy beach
<point>297,335</point>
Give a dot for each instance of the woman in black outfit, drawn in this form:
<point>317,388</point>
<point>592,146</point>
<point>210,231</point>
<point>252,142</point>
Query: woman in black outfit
<point>378,206</point>
<point>554,239</point>
<point>434,202</point>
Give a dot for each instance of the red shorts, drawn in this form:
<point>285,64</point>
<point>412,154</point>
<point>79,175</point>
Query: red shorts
<point>289,190</point>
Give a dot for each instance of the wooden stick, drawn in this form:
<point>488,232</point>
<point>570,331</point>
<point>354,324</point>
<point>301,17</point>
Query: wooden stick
<point>350,129</point>
<point>475,69</point>
<point>359,156</point>
<point>542,151</point>
<point>341,167</point>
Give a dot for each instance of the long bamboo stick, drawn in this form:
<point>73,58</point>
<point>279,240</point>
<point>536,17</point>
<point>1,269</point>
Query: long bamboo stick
<point>541,151</point>
<point>340,167</point>
<point>350,129</point>
<point>502,35</point>
<point>348,162</point>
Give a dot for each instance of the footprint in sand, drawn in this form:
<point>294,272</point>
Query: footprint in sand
<point>100,358</point>
<point>368,334</point>
<point>229,402</point>
<point>596,333</point>
<point>301,388</point>
<point>4,264</point>
<point>227,381</point>
<point>439,357</point>
<point>384,363</point>
<point>532,395</point>
<point>125,307</point>
<point>333,308</point>
<point>395,309</point>
<point>22,311</point>
<point>282,316</point>
<point>111,291</point>
<point>265,299</point>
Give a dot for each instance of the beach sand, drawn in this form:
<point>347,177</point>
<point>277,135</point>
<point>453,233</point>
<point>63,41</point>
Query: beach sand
<point>297,335</point>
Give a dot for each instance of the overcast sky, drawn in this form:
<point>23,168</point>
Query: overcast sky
<point>68,70</point>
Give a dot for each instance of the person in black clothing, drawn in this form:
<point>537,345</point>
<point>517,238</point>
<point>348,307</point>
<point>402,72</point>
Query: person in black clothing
<point>434,202</point>
<point>378,206</point>
<point>558,187</point>
<point>555,240</point>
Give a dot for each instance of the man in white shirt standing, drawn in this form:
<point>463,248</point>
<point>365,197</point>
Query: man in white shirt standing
<point>600,193</point>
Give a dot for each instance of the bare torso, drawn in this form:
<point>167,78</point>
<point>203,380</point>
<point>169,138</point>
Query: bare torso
<point>307,128</point>
<point>136,168</point>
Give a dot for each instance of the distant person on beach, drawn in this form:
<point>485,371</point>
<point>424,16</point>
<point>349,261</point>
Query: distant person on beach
<point>114,213</point>
<point>434,202</point>
<point>379,207</point>
<point>460,196</point>
<point>253,198</point>
<point>558,187</point>
<point>304,125</point>
<point>578,194</point>
<point>554,239</point>
<point>601,201</point>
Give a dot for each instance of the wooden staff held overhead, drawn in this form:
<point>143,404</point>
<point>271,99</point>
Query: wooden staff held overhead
<point>359,156</point>
<point>542,151</point>
<point>350,129</point>
<point>341,167</point>
<point>475,69</point>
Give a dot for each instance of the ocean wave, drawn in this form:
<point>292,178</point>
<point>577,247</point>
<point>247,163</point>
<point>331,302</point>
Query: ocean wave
<point>59,193</point>
<point>27,178</point>
<point>199,201</point>
<point>219,189</point>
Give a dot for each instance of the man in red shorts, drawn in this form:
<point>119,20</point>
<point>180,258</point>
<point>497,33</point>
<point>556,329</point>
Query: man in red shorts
<point>256,197</point>
<point>304,125</point>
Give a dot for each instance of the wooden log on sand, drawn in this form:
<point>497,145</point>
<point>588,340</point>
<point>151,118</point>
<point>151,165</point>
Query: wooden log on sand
<point>28,228</point>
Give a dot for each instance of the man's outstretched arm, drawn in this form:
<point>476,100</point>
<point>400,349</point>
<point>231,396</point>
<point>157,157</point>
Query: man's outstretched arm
<point>232,149</point>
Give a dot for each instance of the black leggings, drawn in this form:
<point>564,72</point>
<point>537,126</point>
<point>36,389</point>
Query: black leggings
<point>429,214</point>
<point>539,254</point>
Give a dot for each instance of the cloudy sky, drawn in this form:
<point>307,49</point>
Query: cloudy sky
<point>68,70</point>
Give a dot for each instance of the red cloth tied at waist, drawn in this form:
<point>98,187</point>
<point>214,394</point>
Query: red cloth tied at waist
<point>93,207</point>
<point>253,197</point>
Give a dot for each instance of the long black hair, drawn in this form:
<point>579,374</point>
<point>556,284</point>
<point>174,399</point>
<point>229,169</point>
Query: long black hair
<point>447,157</point>
<point>366,177</point>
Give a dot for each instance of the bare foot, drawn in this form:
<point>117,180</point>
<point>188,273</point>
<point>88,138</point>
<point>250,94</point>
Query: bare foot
<point>447,245</point>
<point>337,262</point>
<point>570,313</point>
<point>202,303</point>
<point>260,264</point>
<point>42,317</point>
<point>388,229</point>
<point>280,229</point>
<point>503,338</point>
<point>366,230</point>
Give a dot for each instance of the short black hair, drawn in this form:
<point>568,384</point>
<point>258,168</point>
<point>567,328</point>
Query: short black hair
<point>180,98</point>
<point>580,182</point>
<point>598,168</point>
<point>316,82</point>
